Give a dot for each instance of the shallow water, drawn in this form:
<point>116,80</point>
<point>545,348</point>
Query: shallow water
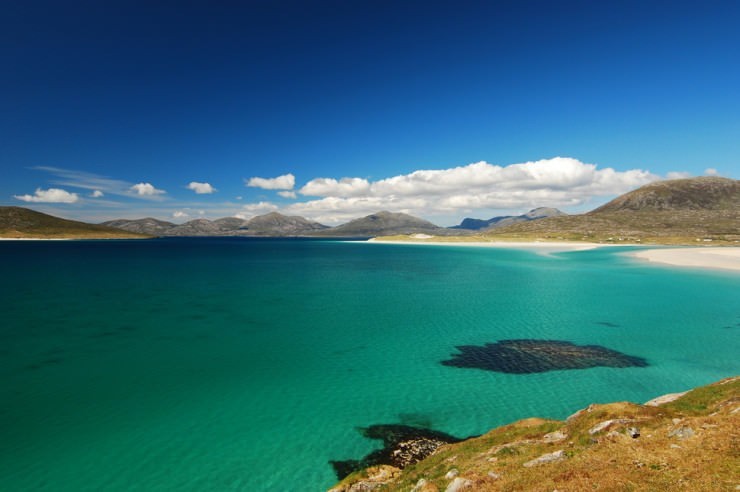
<point>247,364</point>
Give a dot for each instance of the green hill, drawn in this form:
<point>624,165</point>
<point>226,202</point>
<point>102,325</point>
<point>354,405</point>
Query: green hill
<point>681,211</point>
<point>19,222</point>
<point>676,442</point>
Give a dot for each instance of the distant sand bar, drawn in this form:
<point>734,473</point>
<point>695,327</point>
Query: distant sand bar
<point>708,257</point>
<point>541,246</point>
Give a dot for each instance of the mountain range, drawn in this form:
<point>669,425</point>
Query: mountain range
<point>674,211</point>
<point>505,220</point>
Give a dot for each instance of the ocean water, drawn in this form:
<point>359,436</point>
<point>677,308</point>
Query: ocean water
<point>248,364</point>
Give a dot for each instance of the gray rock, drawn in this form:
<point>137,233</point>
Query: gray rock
<point>681,433</point>
<point>546,458</point>
<point>459,484</point>
<point>634,432</point>
<point>556,436</point>
<point>451,474</point>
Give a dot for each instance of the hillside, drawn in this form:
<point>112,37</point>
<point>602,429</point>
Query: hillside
<point>19,222</point>
<point>386,223</point>
<point>271,224</point>
<point>150,226</point>
<point>278,224</point>
<point>676,211</point>
<point>676,442</point>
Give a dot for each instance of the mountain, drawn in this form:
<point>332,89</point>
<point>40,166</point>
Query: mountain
<point>681,211</point>
<point>385,224</point>
<point>705,193</point>
<point>19,222</point>
<point>534,214</point>
<point>275,224</point>
<point>271,224</point>
<point>150,226</point>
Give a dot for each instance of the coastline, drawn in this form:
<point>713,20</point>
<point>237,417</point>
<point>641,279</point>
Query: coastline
<point>708,257</point>
<point>542,246</point>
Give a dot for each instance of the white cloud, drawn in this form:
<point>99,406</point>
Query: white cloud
<point>284,182</point>
<point>201,188</point>
<point>331,187</point>
<point>287,194</point>
<point>710,171</point>
<point>480,186</point>
<point>180,214</point>
<point>97,194</point>
<point>678,175</point>
<point>52,195</point>
<point>146,189</point>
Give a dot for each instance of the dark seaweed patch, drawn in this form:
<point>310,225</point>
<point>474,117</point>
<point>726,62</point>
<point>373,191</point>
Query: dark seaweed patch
<point>403,445</point>
<point>607,323</point>
<point>530,356</point>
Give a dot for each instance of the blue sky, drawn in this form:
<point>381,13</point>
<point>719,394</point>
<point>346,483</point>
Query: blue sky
<point>440,109</point>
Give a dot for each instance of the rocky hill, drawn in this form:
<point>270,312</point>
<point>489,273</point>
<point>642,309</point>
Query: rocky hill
<point>385,224</point>
<point>505,220</point>
<point>684,441</point>
<point>676,211</point>
<point>19,222</point>
<point>275,224</point>
<point>150,226</point>
<point>272,224</point>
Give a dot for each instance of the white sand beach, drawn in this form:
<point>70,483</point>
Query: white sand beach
<point>540,246</point>
<point>708,257</point>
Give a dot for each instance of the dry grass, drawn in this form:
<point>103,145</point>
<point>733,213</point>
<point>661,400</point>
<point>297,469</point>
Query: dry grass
<point>609,460</point>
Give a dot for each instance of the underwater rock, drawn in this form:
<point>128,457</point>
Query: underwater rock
<point>403,445</point>
<point>530,356</point>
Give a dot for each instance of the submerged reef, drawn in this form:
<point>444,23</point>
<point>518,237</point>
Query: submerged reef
<point>530,356</point>
<point>403,445</point>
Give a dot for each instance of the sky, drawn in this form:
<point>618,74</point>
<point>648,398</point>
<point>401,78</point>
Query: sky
<point>333,110</point>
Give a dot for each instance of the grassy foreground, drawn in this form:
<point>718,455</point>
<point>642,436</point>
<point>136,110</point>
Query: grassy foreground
<point>691,443</point>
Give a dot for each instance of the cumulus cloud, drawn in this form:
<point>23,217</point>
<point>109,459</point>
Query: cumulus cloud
<point>201,188</point>
<point>97,194</point>
<point>287,194</point>
<point>146,189</point>
<point>556,182</point>
<point>710,171</point>
<point>284,182</point>
<point>180,214</point>
<point>52,195</point>
<point>331,187</point>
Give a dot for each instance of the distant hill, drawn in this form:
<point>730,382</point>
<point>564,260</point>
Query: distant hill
<point>20,222</point>
<point>150,226</point>
<point>673,211</point>
<point>275,224</point>
<point>386,224</point>
<point>705,193</point>
<point>272,224</point>
<point>492,223</point>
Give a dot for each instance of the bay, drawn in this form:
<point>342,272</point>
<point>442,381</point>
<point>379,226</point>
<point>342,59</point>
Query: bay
<point>247,364</point>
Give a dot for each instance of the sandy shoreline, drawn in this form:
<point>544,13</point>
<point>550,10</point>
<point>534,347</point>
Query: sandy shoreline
<point>714,258</point>
<point>548,247</point>
<point>724,258</point>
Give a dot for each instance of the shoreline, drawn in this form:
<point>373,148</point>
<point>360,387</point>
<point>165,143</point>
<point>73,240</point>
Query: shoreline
<point>543,246</point>
<point>715,258</point>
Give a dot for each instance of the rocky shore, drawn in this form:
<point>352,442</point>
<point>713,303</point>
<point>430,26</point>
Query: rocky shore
<point>681,441</point>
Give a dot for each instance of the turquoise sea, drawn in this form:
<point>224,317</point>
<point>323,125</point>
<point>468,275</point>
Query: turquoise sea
<point>248,364</point>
